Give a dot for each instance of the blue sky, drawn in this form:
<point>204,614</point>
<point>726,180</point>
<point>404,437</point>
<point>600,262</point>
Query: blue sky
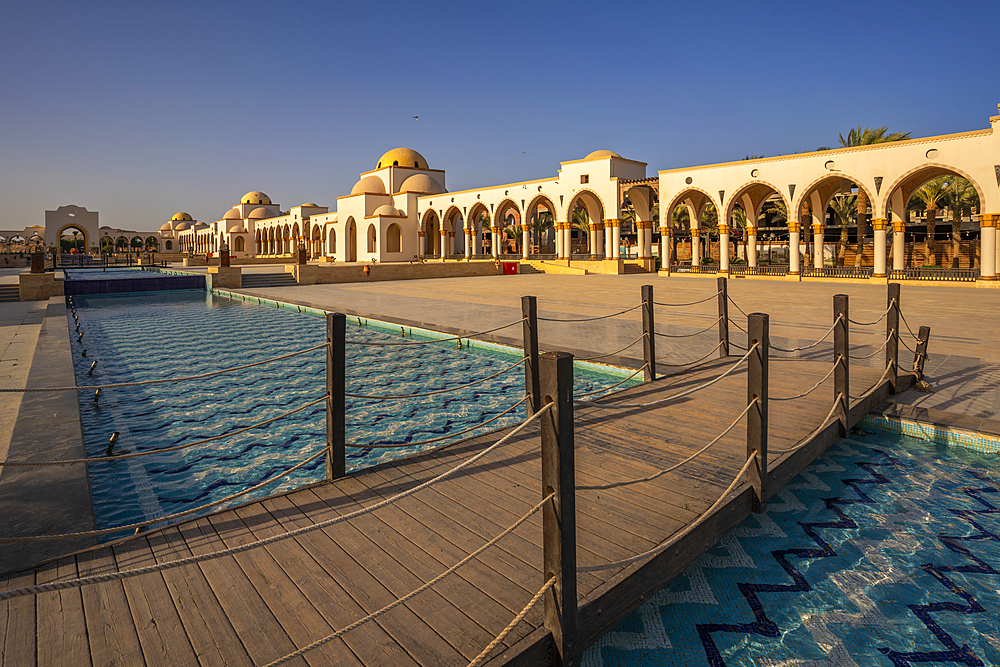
<point>138,110</point>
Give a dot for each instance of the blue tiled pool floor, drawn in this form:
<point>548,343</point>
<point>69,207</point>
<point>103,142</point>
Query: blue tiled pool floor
<point>885,551</point>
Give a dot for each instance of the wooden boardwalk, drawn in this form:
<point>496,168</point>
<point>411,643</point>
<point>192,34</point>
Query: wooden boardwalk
<point>262,604</point>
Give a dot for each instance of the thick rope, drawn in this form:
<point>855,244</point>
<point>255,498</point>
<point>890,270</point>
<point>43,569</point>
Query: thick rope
<point>681,394</point>
<point>479,659</point>
<point>738,326</point>
<point>591,319</point>
<point>607,389</point>
<point>601,356</point>
<point>868,324</point>
<point>882,347</point>
<point>903,341</point>
<point>437,391</point>
<point>737,305</point>
<point>915,336</point>
<point>692,303</point>
<point>708,328</point>
<point>650,478</point>
<point>428,342</point>
<point>806,393</point>
<point>119,457</point>
<point>190,560</point>
<point>811,345</point>
<point>443,437</point>
<point>663,546</point>
<point>162,380</point>
<point>875,386</point>
<point>804,441</point>
<point>392,605</point>
<point>167,518</point>
<point>696,361</point>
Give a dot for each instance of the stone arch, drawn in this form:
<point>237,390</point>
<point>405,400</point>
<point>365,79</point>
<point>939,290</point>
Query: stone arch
<point>826,188</point>
<point>168,245</point>
<point>239,244</point>
<point>912,180</point>
<point>507,205</point>
<point>371,236</point>
<point>394,238</point>
<point>331,242</point>
<point>691,197</point>
<point>589,199</point>
<point>350,240</point>
<point>79,228</point>
<point>753,194</point>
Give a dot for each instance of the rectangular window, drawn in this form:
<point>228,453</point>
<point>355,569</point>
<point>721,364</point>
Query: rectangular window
<point>585,178</point>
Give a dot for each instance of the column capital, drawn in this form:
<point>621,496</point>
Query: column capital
<point>899,226</point>
<point>794,227</point>
<point>443,232</point>
<point>593,227</point>
<point>751,230</point>
<point>468,232</point>
<point>878,224</point>
<point>612,222</point>
<point>421,232</point>
<point>666,231</point>
<point>818,227</point>
<point>989,219</point>
<point>723,229</point>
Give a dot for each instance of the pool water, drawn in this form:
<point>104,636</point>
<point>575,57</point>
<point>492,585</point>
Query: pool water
<point>885,551</point>
<point>150,336</point>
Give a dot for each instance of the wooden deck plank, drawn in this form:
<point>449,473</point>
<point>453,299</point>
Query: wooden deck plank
<point>158,625</point>
<point>17,620</point>
<point>61,627</point>
<point>110,627</point>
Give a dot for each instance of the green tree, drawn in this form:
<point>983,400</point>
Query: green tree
<point>929,196</point>
<point>844,208</point>
<point>866,137</point>
<point>960,199</point>
<point>542,222</point>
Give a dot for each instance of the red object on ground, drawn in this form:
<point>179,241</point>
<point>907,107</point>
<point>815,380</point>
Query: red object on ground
<point>510,268</point>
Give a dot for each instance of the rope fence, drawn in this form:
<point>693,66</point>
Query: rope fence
<point>429,342</point>
<point>609,354</point>
<point>882,317</point>
<point>880,348</point>
<point>395,397</point>
<point>688,335</point>
<point>479,659</point>
<point>590,319</point>
<point>690,303</point>
<point>811,345</point>
<point>810,390</point>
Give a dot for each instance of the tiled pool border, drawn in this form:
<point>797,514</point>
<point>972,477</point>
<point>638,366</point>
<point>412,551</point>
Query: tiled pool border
<point>429,334</point>
<point>947,435</point>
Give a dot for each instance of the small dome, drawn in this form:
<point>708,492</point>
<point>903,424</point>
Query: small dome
<point>259,213</point>
<point>181,215</point>
<point>388,209</point>
<point>200,225</point>
<point>165,227</point>
<point>237,229</point>
<point>310,205</point>
<point>596,155</point>
<point>421,183</point>
<point>402,157</point>
<point>181,226</point>
<point>255,197</point>
<point>232,214</point>
<point>370,184</point>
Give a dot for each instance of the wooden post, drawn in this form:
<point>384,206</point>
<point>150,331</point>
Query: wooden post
<point>559,515</point>
<point>892,333</point>
<point>336,371</point>
<point>841,356</point>
<point>529,310</point>
<point>649,339</point>
<point>920,354</point>
<point>724,317</point>
<point>757,326</point>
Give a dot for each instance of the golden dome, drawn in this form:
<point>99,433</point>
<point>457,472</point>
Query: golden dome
<point>259,213</point>
<point>402,157</point>
<point>181,215</point>
<point>256,197</point>
<point>596,155</point>
<point>421,183</point>
<point>370,184</point>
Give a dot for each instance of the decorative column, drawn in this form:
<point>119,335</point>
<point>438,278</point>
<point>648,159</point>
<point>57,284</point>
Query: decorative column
<point>599,243</point>
<point>568,239</point>
<point>495,241</point>
<point>646,248</point>
<point>616,238</point>
<point>794,247</point>
<point>468,243</point>
<point>723,249</point>
<point>879,226</point>
<point>695,246</point>
<point>898,245</point>
<point>818,230</point>
<point>751,246</point>
<point>593,239</point>
<point>421,245</point>
<point>665,247</point>
<point>444,243</point>
<point>608,237</point>
<point>988,245</point>
<point>525,241</point>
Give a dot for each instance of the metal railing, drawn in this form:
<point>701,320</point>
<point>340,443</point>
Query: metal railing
<point>838,272</point>
<point>759,270</point>
<point>947,275</point>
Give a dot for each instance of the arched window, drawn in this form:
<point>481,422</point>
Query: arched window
<point>372,245</point>
<point>333,242</point>
<point>169,245</point>
<point>238,245</point>
<point>394,239</point>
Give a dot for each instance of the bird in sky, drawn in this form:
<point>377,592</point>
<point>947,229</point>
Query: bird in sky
<point>415,118</point>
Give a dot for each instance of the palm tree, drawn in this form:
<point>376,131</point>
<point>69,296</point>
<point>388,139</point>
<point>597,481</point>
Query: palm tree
<point>844,207</point>
<point>680,218</point>
<point>930,195</point>
<point>866,137</point>
<point>961,197</point>
<point>581,222</point>
<point>542,222</point>
<point>709,221</point>
<point>806,214</point>
<point>740,222</point>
